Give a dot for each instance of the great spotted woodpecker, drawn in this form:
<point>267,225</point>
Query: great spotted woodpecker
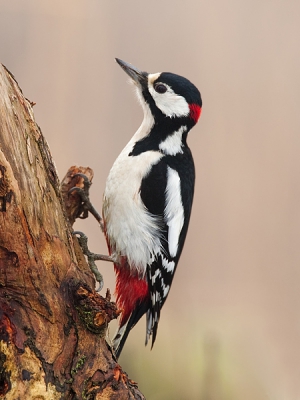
<point>148,198</point>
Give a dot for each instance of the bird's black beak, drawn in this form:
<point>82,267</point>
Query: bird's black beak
<point>135,74</point>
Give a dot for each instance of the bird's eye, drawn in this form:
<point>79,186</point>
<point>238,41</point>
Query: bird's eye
<point>160,88</point>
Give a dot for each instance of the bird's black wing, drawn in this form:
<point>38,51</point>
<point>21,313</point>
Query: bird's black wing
<point>170,181</point>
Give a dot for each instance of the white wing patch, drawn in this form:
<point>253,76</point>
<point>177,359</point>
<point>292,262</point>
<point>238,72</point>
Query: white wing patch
<point>174,212</point>
<point>172,145</point>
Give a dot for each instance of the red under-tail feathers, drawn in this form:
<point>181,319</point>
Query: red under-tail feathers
<point>130,290</point>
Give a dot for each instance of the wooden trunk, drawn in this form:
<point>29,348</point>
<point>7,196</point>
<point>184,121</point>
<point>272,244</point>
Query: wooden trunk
<point>52,322</point>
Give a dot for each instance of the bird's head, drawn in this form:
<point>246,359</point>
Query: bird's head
<point>167,95</point>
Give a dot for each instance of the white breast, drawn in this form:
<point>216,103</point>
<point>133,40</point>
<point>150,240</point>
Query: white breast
<point>131,230</point>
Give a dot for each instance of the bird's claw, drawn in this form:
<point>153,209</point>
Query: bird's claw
<point>92,257</point>
<point>86,205</point>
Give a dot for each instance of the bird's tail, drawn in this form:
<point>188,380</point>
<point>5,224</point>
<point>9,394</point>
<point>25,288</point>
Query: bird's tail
<point>132,297</point>
<point>153,315</point>
<point>123,331</point>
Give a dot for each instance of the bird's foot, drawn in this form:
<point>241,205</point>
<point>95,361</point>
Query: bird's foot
<point>92,257</point>
<point>86,205</point>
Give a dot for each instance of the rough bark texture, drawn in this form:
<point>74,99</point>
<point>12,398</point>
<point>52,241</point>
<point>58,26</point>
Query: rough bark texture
<point>52,323</point>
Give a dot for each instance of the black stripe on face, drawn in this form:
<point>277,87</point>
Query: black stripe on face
<point>182,87</point>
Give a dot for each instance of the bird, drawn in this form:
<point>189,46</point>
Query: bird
<point>148,199</point>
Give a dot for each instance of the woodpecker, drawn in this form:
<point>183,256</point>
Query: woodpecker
<point>148,198</point>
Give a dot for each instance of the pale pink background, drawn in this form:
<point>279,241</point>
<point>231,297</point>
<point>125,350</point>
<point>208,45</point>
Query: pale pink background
<point>230,329</point>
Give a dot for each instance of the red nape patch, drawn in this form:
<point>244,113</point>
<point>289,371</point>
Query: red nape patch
<point>195,112</point>
<point>130,289</point>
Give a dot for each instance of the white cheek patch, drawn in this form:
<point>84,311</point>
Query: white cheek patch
<point>170,103</point>
<point>174,212</point>
<point>172,145</point>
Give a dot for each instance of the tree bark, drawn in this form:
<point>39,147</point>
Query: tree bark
<point>52,322</point>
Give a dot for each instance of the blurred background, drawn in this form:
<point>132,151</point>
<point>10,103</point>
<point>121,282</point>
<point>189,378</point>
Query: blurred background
<point>230,329</point>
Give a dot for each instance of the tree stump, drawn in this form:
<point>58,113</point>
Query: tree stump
<point>52,322</point>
